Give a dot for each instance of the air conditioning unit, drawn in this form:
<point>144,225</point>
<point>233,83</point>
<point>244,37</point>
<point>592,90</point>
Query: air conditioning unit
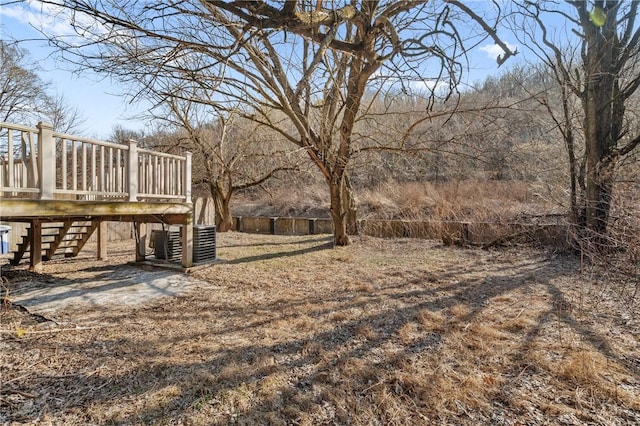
<point>167,245</point>
<point>204,243</point>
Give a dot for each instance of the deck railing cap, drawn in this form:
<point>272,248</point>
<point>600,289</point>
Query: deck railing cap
<point>44,124</point>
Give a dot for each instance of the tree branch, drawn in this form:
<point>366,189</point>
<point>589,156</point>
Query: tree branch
<point>620,152</point>
<point>491,32</point>
<point>264,178</point>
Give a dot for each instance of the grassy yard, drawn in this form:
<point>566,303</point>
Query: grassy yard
<point>288,330</point>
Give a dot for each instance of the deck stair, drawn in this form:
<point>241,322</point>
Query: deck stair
<point>66,238</point>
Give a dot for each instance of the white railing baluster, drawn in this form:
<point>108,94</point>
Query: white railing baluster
<point>175,178</point>
<point>101,170</point>
<point>92,175</point>
<point>187,177</point>
<point>63,170</point>
<point>10,171</point>
<point>110,176</point>
<point>167,177</point>
<point>26,159</point>
<point>118,170</point>
<point>74,166</point>
<point>156,188</point>
<point>145,173</point>
<point>160,175</point>
<point>83,169</point>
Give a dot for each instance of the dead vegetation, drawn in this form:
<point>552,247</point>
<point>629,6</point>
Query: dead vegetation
<point>471,200</point>
<point>380,332</point>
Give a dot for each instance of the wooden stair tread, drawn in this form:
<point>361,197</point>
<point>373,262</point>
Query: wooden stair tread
<point>58,239</point>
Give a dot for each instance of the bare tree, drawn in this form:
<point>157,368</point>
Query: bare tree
<point>23,95</point>
<point>230,153</point>
<point>64,117</point>
<point>298,67</point>
<point>596,63</point>
<point>120,134</point>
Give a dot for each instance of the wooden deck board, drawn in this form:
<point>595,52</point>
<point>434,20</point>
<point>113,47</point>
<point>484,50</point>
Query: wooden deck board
<point>12,210</point>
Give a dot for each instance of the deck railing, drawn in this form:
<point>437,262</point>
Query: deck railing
<point>42,164</point>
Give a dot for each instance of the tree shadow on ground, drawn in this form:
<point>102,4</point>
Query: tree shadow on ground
<point>319,245</point>
<point>323,238</point>
<point>351,368</point>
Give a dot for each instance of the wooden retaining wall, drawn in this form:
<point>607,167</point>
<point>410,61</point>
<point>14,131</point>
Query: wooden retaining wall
<point>283,225</point>
<point>451,233</point>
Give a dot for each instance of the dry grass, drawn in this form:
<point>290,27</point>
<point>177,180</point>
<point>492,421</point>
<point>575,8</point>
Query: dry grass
<point>380,332</point>
<point>456,200</point>
<point>308,200</point>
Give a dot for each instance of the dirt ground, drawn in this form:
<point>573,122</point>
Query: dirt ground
<point>287,330</point>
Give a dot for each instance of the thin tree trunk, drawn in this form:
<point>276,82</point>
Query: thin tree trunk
<point>571,151</point>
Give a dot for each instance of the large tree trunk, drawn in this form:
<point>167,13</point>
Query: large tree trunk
<point>350,207</point>
<point>597,146</point>
<point>341,198</point>
<point>343,203</point>
<point>222,203</point>
<point>604,112</point>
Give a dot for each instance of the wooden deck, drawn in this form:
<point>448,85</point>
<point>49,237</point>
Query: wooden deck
<point>53,178</point>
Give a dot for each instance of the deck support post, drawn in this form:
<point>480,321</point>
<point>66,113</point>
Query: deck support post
<point>35,254</point>
<point>103,236</point>
<point>141,241</point>
<point>187,240</point>
<point>46,161</point>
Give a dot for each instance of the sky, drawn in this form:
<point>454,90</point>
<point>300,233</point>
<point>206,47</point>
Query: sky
<point>96,97</point>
